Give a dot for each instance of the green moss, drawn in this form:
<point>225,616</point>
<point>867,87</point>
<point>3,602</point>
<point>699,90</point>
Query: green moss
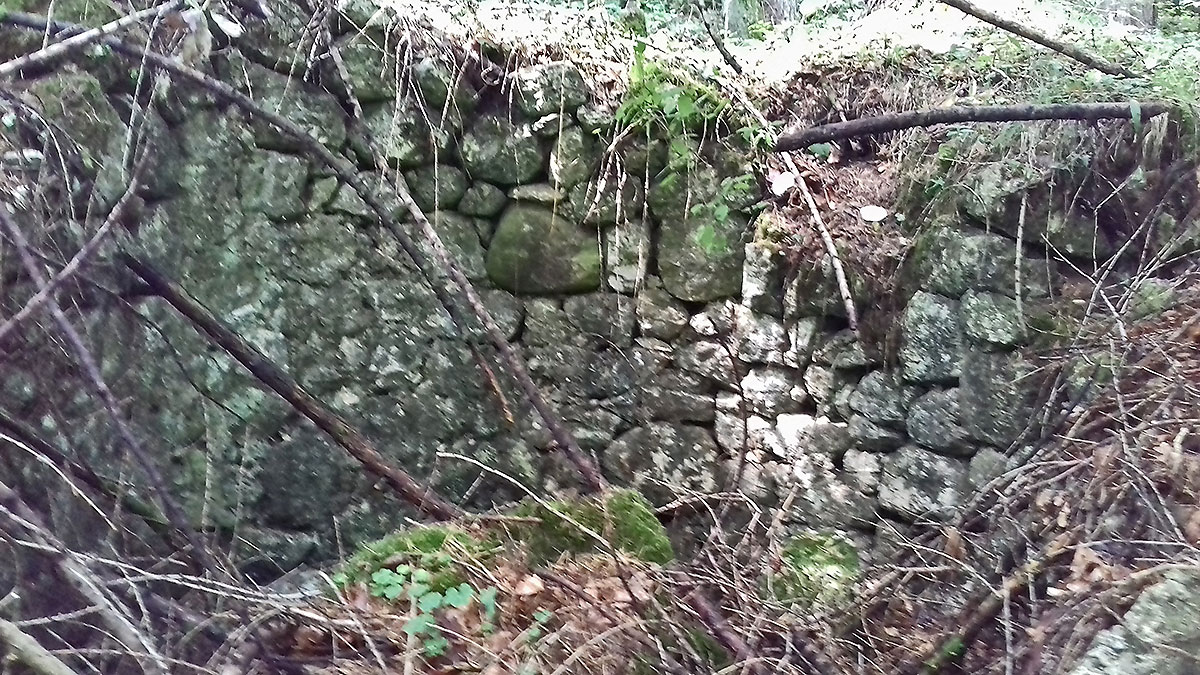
<point>435,548</point>
<point>624,519</point>
<point>817,569</point>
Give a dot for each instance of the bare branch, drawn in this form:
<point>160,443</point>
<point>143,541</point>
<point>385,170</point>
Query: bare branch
<point>800,139</point>
<point>29,651</point>
<point>1042,39</point>
<point>274,377</point>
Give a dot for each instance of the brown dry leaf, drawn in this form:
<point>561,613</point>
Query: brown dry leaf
<point>531,585</point>
<point>309,640</point>
<point>955,547</point>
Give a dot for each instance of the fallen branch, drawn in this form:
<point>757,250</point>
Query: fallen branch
<point>718,42</point>
<point>798,140</point>
<point>384,210</point>
<point>24,649</point>
<point>271,375</point>
<point>1068,50</point>
<point>80,40</point>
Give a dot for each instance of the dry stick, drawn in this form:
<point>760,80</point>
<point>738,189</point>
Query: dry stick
<point>22,647</point>
<point>1025,112</point>
<point>81,40</point>
<point>274,377</point>
<point>348,173</point>
<point>718,42</point>
<point>78,576</point>
<point>1042,39</point>
<point>87,362</point>
<point>711,617</point>
<point>839,270</point>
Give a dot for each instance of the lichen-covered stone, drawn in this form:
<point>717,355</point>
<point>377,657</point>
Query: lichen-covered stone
<point>986,465</point>
<point>407,136</point>
<point>814,290</point>
<point>436,188</point>
<point>881,398</point>
<point>802,340</point>
<point>1158,635</point>
<point>677,396</point>
<point>370,72</point>
<point>917,483</point>
<point>600,319</point>
<point>826,497</point>
<point>572,158</point>
<point>462,242</point>
<point>594,119</point>
<point>274,185</point>
<point>628,253</point>
<point>75,103</point>
<point>821,382</point>
<point>660,458</point>
<point>950,261</point>
<point>503,151</point>
<point>759,338</point>
<point>802,433</point>
<point>872,437</point>
<point>863,470</point>
<point>660,315</point>
<point>311,109</point>
<point>482,200</point>
<point>438,81</point>
<point>933,422</point>
<point>770,391</point>
<point>992,319</point>
<point>930,339</point>
<point>607,201</point>
<point>535,251</point>
<point>548,87</point>
<point>762,278</point>
<point>709,359</point>
<point>994,396</point>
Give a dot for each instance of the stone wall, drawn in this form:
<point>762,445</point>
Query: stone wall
<point>683,353</point>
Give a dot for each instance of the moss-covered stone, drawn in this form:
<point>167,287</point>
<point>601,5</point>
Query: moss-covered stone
<point>502,151</point>
<point>436,188</point>
<point>409,135</point>
<point>623,519</point>
<point>817,569</point>
<point>439,549</point>
<point>482,200</point>
<point>535,251</point>
<point>75,103</point>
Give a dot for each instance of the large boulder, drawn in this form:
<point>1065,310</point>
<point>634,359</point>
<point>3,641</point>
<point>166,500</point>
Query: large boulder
<point>1159,635</point>
<point>930,339</point>
<point>535,251</point>
<point>992,319</point>
<point>502,151</point>
<point>881,398</point>
<point>917,483</point>
<point>949,261</point>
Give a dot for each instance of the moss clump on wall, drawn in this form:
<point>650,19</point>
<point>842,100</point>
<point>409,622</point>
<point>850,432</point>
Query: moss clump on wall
<point>816,569</point>
<point>623,518</point>
<point>435,548</point>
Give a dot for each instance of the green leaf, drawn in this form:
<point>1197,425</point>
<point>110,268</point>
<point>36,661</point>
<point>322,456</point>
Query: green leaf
<point>415,591</point>
<point>461,596</point>
<point>542,615</point>
<point>487,598</point>
<point>430,601</point>
<point>686,106</point>
<point>421,575</point>
<point>383,577</point>
<point>1135,115</point>
<point>721,212</point>
<point>435,646</point>
<point>421,623</point>
<point>822,150</point>
<point>393,591</point>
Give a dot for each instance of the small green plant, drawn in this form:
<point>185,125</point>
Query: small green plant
<point>413,584</point>
<point>759,30</point>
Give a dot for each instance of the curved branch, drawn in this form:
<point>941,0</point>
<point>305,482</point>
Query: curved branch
<point>798,140</point>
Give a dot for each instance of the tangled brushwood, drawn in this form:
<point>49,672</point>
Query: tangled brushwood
<point>1094,507</point>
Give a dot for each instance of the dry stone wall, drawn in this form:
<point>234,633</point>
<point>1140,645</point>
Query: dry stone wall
<point>684,355</point>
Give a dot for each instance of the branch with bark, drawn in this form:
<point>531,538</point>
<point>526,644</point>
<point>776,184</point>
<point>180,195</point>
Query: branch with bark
<point>1091,112</point>
<point>1066,49</point>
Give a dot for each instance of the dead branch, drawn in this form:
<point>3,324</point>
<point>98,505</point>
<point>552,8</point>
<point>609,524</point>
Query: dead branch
<point>274,377</point>
<point>1068,50</point>
<point>1026,112</point>
<point>718,42</point>
<point>383,206</point>
<point>22,647</point>
<point>77,42</point>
